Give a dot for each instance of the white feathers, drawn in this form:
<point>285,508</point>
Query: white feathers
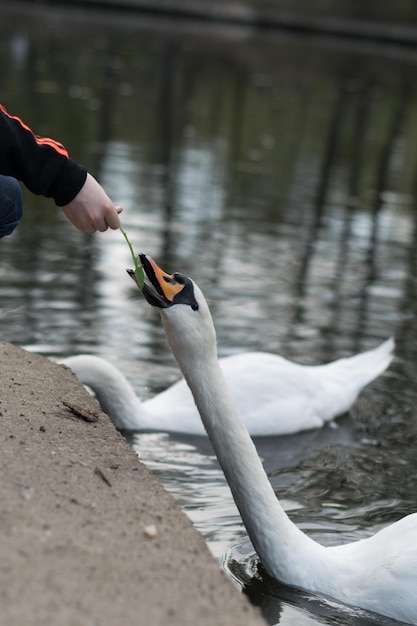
<point>275,396</point>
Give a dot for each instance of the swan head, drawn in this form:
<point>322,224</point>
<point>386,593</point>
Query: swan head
<point>184,311</point>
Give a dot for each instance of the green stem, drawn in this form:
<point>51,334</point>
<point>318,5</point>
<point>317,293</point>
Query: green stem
<point>138,268</point>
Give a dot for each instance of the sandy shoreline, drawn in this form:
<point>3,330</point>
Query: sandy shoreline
<point>75,507</point>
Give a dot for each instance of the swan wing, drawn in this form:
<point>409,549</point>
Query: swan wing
<point>273,396</point>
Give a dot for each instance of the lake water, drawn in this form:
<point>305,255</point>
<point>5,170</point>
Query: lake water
<point>281,174</point>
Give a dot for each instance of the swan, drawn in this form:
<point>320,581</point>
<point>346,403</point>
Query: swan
<point>275,396</point>
<point>377,574</point>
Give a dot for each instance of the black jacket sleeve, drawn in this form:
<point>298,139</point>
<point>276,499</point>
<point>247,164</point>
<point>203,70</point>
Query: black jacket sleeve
<point>40,163</point>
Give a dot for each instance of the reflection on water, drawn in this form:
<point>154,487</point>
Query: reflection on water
<point>278,172</point>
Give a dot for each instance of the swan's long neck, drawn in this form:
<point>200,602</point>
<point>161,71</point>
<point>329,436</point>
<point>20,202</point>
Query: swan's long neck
<point>282,547</point>
<point>113,391</point>
<point>118,399</point>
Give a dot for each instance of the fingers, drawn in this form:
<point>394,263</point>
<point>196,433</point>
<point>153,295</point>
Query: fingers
<point>104,219</point>
<point>112,219</point>
<point>101,224</point>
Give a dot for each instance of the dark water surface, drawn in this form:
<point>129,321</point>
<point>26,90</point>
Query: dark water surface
<point>281,174</point>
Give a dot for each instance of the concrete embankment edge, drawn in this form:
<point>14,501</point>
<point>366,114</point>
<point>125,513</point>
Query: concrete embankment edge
<point>76,504</point>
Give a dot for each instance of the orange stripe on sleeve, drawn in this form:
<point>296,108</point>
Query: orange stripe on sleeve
<point>51,142</point>
<point>47,141</point>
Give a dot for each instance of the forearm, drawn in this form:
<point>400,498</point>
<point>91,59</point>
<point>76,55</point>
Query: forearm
<point>41,164</point>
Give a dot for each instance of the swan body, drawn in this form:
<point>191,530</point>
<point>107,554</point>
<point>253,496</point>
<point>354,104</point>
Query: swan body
<point>275,396</point>
<point>378,573</point>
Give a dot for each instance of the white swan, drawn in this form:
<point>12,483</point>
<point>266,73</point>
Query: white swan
<point>377,574</point>
<point>275,396</point>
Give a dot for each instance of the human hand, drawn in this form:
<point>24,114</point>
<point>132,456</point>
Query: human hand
<point>91,209</point>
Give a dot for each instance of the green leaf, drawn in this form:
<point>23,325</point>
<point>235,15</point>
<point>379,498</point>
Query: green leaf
<point>139,274</point>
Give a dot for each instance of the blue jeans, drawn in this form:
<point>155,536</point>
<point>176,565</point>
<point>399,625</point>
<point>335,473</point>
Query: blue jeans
<point>11,205</point>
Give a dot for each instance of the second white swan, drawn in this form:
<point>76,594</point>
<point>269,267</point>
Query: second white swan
<point>275,396</point>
